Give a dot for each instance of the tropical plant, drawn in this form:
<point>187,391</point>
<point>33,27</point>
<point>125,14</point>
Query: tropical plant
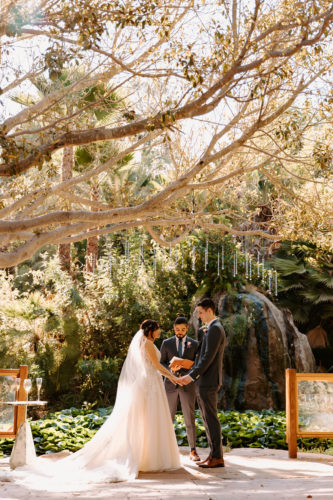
<point>306,275</point>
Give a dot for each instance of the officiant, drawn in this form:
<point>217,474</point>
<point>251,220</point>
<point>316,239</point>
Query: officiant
<point>184,349</point>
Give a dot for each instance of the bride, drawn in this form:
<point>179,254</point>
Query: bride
<point>138,435</point>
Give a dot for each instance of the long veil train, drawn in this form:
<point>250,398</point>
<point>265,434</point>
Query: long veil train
<point>138,435</point>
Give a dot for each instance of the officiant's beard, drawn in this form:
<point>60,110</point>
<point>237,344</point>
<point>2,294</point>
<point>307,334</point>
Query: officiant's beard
<point>180,330</point>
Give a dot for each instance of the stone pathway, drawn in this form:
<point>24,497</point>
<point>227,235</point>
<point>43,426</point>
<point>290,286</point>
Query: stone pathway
<point>250,473</point>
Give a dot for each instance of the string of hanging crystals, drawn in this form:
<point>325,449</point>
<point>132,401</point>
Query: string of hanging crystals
<point>250,267</point>
<point>263,269</point>
<point>235,270</point>
<point>258,264</point>
<point>269,281</point>
<point>275,283</point>
<point>193,258</point>
<point>206,255</point>
<point>222,257</point>
<point>218,262</point>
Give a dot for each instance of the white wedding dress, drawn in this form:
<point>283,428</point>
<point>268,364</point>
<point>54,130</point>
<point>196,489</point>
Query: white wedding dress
<point>138,435</point>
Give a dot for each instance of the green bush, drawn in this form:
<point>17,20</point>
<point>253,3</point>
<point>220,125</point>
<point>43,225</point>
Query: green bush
<point>71,429</point>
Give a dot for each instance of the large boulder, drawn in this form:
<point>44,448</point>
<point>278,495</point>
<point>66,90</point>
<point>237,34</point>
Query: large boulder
<point>262,341</point>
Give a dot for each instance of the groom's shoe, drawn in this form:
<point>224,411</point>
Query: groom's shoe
<point>212,463</point>
<point>194,456</point>
<point>204,461</point>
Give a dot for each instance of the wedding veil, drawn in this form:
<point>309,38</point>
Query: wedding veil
<point>114,453</point>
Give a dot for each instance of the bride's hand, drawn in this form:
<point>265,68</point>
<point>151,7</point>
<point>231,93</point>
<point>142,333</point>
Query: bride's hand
<point>174,379</point>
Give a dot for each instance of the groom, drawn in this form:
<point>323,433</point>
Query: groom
<point>208,373</point>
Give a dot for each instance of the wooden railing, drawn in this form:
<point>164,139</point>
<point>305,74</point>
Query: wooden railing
<point>294,396</point>
<point>19,413</point>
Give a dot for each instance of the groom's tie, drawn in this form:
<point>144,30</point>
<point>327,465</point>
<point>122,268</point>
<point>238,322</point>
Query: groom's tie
<point>180,348</point>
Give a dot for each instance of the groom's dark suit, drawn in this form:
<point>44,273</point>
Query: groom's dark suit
<point>186,394</point>
<point>208,373</point>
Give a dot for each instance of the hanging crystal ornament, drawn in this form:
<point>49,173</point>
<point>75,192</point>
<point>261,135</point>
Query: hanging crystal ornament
<point>250,267</point>
<point>263,269</point>
<point>206,255</point>
<point>276,282</point>
<point>258,264</point>
<point>246,265</point>
<point>222,257</point>
<point>193,258</point>
<point>269,281</point>
<point>235,264</point>
<point>218,263</point>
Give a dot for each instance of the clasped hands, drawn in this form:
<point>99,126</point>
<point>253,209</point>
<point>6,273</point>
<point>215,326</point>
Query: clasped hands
<point>185,380</point>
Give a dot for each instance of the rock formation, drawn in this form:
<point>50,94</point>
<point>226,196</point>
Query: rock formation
<point>262,342</point>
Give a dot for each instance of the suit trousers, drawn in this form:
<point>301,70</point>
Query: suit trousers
<point>208,398</point>
<point>187,400</point>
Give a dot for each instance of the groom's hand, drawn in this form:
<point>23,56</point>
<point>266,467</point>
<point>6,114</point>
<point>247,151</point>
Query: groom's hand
<point>185,380</point>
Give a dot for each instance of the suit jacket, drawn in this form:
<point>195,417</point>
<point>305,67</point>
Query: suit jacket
<point>208,367</point>
<point>169,350</point>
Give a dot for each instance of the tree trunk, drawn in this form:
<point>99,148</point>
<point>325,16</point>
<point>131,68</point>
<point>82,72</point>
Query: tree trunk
<point>92,243</point>
<point>64,250</point>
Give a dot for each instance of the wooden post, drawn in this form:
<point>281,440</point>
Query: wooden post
<point>291,412</point>
<point>22,396</point>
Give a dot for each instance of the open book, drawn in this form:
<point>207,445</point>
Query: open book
<point>184,363</point>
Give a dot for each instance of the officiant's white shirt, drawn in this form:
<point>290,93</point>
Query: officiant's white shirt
<point>183,340</point>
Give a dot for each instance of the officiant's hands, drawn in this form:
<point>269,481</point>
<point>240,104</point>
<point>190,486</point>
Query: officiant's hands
<point>175,367</point>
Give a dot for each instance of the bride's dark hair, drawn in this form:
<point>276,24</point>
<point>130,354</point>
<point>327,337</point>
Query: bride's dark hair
<point>149,326</point>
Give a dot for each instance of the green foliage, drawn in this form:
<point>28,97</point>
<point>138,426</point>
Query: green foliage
<point>71,429</point>
<point>236,327</point>
<point>306,274</point>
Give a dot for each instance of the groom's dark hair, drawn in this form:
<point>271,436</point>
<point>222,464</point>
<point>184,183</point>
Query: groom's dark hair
<point>207,304</point>
<point>180,320</point>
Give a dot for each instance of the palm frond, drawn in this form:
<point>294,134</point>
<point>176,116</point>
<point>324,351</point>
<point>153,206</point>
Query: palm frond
<point>317,296</point>
<point>285,267</point>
